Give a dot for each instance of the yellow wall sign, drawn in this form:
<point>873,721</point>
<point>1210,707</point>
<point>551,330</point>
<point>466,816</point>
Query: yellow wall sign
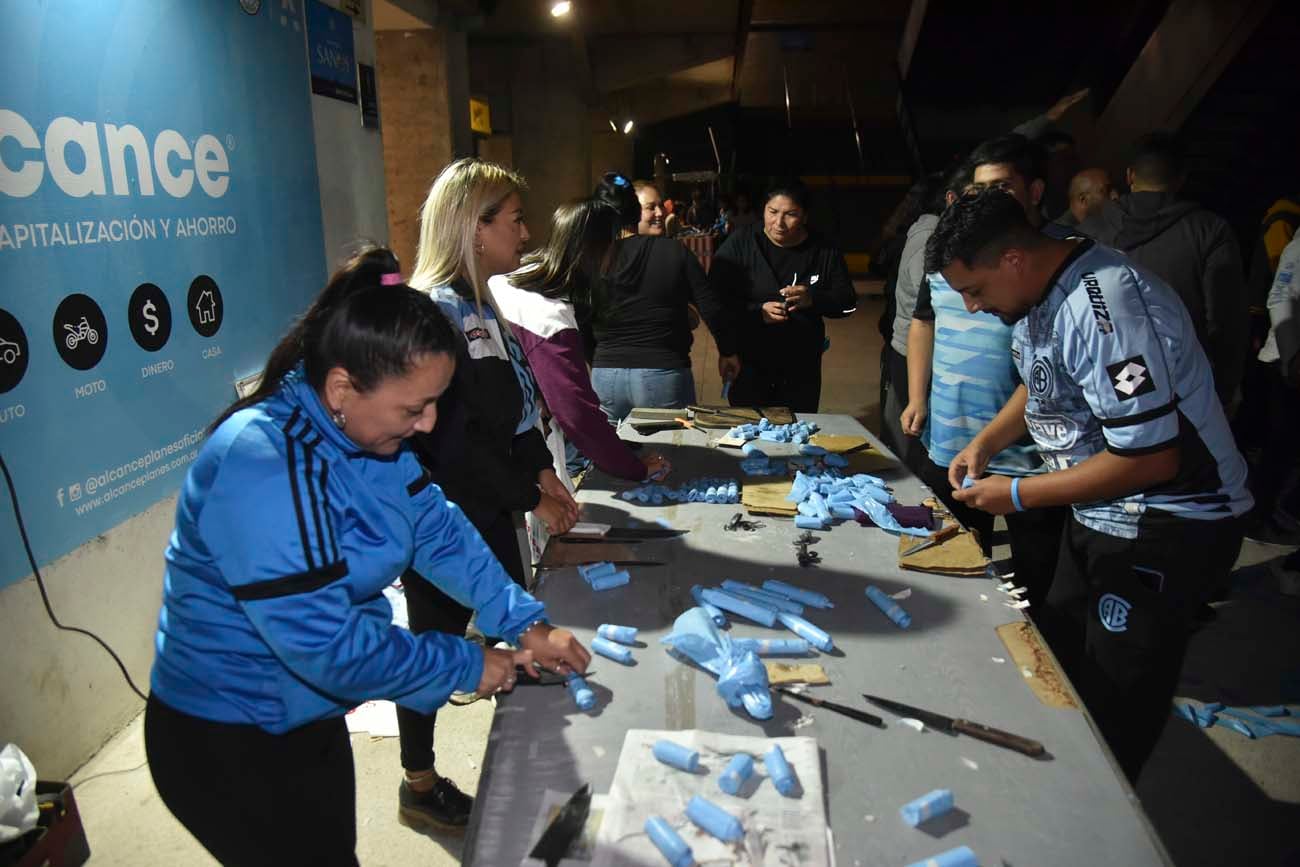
<point>480,117</point>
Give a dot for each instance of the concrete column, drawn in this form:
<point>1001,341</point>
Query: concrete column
<point>424,108</point>
<point>550,130</point>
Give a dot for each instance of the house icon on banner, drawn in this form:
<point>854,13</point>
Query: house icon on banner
<point>206,307</point>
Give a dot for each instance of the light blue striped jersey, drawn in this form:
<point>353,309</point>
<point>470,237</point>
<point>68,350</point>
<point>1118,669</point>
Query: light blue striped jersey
<point>973,379</point>
<point>1112,363</point>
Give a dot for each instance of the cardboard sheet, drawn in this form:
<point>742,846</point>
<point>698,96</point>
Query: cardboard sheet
<point>1029,652</point>
<point>795,672</point>
<point>768,498</point>
<point>960,555</point>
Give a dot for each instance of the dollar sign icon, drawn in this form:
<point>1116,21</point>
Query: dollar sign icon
<point>150,319</point>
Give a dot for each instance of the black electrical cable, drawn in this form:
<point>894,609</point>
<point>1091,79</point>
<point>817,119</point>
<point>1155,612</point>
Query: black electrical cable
<point>45,597</point>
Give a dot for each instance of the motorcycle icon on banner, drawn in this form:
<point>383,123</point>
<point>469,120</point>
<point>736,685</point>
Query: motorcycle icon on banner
<point>83,331</point>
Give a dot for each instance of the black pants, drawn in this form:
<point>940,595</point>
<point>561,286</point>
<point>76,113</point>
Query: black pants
<point>936,479</point>
<point>254,798</point>
<point>1035,534</point>
<point>910,449</point>
<point>1119,614</point>
<point>428,608</point>
<point>768,381</point>
<point>1035,548</point>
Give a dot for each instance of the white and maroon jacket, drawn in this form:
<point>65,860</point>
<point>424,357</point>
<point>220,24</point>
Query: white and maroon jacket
<point>547,329</point>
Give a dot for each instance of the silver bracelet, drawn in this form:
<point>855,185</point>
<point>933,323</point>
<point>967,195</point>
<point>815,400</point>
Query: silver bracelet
<point>519,639</point>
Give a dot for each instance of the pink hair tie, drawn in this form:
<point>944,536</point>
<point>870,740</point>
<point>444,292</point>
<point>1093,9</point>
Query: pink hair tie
<point>392,278</point>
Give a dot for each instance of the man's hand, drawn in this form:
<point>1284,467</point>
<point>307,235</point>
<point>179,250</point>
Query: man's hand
<point>728,367</point>
<point>555,649</point>
<point>913,418</point>
<point>556,516</point>
<point>797,297</point>
<point>774,313</point>
<point>971,461</point>
<point>989,494</point>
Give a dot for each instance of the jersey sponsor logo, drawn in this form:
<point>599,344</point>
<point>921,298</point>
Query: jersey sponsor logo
<point>479,333</point>
<point>1052,432</point>
<point>1131,378</point>
<point>1040,377</point>
<point>1100,311</point>
<point>1113,612</point>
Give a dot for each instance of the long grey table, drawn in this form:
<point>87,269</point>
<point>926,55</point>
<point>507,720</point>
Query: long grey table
<point>1072,808</point>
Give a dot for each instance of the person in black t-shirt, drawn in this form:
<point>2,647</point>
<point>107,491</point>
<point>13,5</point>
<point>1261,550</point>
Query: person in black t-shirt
<point>640,319</point>
<point>786,279</point>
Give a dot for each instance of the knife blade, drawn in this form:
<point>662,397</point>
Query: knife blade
<point>852,713</point>
<point>937,538</point>
<point>549,567</point>
<point>955,726</point>
<point>566,827</point>
<point>624,534</point>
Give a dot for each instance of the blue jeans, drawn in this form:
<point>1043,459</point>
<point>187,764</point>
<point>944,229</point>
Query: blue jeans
<point>622,388</point>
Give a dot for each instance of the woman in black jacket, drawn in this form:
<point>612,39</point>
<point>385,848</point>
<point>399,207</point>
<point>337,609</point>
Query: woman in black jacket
<point>489,456</point>
<point>786,279</point>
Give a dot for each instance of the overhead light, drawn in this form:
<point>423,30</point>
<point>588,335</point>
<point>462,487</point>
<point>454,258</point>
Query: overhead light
<point>613,125</point>
<point>627,127</point>
<point>560,9</point>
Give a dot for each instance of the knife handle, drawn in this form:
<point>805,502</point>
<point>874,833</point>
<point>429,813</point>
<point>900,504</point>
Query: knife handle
<point>999,737</point>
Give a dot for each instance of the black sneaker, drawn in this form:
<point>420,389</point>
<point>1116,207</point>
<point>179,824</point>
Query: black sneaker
<point>443,807</point>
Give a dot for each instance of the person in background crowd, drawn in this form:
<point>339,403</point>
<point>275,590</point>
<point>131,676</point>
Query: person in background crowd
<point>641,322</point>
<point>472,227</point>
<point>745,215</point>
<point>1120,399</point>
<point>1188,247</point>
<point>1276,518</point>
<point>925,201</point>
<point>304,503</point>
<point>699,215</point>
<point>786,279</point>
<point>1090,190</point>
<point>1260,417</point>
<point>974,374</point>
<point>539,301</point>
<point>723,225</point>
<point>651,219</point>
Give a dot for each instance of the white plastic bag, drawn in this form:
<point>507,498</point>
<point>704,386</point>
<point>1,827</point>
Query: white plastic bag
<point>18,812</point>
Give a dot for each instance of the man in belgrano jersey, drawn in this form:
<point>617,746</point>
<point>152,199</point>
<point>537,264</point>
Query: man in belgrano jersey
<point>1120,399</point>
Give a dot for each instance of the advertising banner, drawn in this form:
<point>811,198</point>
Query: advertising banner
<point>160,226</point>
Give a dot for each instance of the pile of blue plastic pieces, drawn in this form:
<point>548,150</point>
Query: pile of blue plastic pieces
<point>1253,722</point>
<point>810,457</point>
<point>702,490</point>
<point>827,495</point>
<point>799,432</point>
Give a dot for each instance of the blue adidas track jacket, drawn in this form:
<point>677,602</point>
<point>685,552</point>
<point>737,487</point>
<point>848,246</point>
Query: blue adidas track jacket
<point>286,535</point>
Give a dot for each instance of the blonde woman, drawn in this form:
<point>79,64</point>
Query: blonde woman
<point>489,456</point>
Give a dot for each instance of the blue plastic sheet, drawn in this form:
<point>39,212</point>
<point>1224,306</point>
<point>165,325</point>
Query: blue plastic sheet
<point>742,679</point>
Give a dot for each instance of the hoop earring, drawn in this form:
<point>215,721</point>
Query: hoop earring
<point>338,418</point>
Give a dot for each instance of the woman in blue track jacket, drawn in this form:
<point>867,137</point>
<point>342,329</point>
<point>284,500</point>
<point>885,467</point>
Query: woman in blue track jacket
<point>303,505</point>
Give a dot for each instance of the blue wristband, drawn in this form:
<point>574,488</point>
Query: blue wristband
<point>1015,494</point>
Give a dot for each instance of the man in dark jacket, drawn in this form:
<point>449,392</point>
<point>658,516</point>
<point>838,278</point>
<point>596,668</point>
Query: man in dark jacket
<point>1190,248</point>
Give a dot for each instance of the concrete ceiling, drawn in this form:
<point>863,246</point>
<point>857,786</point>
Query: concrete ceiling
<point>658,60</point>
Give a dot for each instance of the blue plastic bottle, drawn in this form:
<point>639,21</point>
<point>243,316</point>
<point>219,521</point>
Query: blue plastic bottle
<point>926,807</point>
<point>614,632</point>
<point>744,607</point>
<point>607,648</point>
<point>669,842</point>
<point>609,582</point>
<point>714,820</point>
<point>815,635</point>
<point>737,771</point>
<point>583,697</point>
<point>778,768</point>
<point>891,609</point>
<point>962,856</point>
<point>798,594</point>
<point>674,754</point>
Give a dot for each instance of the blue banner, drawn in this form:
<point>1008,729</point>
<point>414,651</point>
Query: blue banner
<point>331,52</point>
<point>160,226</point>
